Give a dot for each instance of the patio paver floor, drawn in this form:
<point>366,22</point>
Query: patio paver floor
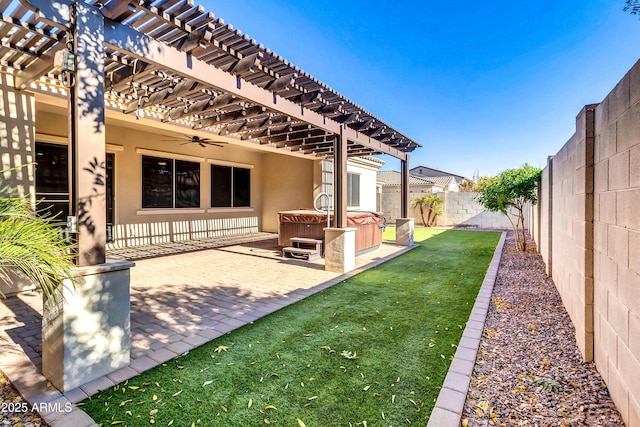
<point>178,302</point>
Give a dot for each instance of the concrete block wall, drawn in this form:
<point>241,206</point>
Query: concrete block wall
<point>544,217</point>
<point>572,228</point>
<point>389,204</point>
<point>461,209</point>
<point>589,236</point>
<point>617,244</point>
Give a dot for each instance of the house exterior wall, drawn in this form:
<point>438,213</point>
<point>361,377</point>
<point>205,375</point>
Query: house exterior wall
<point>17,137</point>
<point>287,184</point>
<point>278,182</point>
<point>594,224</point>
<point>368,182</point>
<point>17,147</point>
<point>367,186</point>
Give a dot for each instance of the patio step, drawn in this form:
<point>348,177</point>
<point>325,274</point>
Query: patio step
<point>309,249</point>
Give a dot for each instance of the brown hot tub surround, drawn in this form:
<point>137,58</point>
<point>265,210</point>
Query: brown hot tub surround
<point>311,224</point>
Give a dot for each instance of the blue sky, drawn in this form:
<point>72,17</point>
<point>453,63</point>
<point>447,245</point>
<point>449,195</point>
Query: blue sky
<point>481,85</point>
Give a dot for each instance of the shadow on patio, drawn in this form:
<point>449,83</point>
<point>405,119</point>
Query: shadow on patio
<point>184,300</point>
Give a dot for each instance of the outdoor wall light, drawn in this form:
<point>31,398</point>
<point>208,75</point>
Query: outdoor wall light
<point>64,61</point>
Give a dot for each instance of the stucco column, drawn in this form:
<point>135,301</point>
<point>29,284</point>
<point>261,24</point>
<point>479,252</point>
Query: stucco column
<point>404,187</point>
<point>340,249</point>
<point>87,136</point>
<point>86,329</point>
<point>340,180</point>
<point>404,231</point>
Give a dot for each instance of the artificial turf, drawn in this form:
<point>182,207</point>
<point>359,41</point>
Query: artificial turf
<point>370,351</point>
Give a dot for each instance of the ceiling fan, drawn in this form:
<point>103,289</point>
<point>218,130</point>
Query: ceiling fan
<point>195,139</point>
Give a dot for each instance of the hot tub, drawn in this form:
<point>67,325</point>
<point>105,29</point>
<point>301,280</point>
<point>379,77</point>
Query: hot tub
<point>311,224</point>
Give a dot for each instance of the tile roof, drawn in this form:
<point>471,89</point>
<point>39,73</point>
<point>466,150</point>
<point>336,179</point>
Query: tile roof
<point>391,178</point>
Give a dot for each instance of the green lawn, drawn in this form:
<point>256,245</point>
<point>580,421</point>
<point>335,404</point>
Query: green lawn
<point>370,351</point>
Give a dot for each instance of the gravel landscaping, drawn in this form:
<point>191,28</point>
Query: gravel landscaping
<point>529,371</point>
<point>13,411</point>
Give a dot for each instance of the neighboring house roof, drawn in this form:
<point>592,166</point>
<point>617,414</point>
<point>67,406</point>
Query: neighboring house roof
<point>367,161</point>
<point>426,171</point>
<point>443,181</point>
<point>391,178</point>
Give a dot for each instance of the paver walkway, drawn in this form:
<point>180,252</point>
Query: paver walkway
<point>178,302</point>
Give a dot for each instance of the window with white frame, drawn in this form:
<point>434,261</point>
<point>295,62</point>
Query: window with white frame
<point>170,183</point>
<point>230,186</point>
<point>353,189</point>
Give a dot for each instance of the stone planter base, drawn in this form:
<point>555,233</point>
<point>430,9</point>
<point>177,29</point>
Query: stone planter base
<point>340,249</point>
<point>86,331</point>
<point>404,231</point>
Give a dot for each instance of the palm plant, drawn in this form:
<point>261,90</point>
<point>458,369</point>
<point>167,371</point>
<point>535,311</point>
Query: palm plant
<point>31,244</point>
<point>432,203</point>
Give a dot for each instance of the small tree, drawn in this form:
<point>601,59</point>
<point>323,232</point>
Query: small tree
<point>432,203</point>
<point>508,193</point>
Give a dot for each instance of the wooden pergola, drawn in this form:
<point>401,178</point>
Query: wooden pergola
<point>175,62</point>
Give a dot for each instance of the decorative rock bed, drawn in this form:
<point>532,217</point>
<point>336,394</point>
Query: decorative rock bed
<point>529,371</point>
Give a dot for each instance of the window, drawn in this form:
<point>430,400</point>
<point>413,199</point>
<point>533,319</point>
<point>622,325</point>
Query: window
<point>169,183</point>
<point>230,187</point>
<point>353,189</point>
<point>52,185</point>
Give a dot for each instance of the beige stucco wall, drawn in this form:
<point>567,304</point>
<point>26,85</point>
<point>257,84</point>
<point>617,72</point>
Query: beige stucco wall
<point>595,237</point>
<point>17,136</point>
<point>278,182</point>
<point>287,183</point>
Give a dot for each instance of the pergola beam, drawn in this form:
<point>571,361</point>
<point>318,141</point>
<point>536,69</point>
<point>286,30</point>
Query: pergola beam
<point>122,38</point>
<point>204,106</point>
<point>281,83</point>
<point>242,65</point>
<point>51,12</point>
<point>229,118</point>
<point>183,88</point>
<point>127,72</point>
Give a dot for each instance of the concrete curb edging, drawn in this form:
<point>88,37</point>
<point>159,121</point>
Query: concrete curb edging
<point>450,404</point>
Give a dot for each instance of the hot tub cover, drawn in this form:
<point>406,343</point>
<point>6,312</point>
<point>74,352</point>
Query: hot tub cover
<point>308,216</point>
